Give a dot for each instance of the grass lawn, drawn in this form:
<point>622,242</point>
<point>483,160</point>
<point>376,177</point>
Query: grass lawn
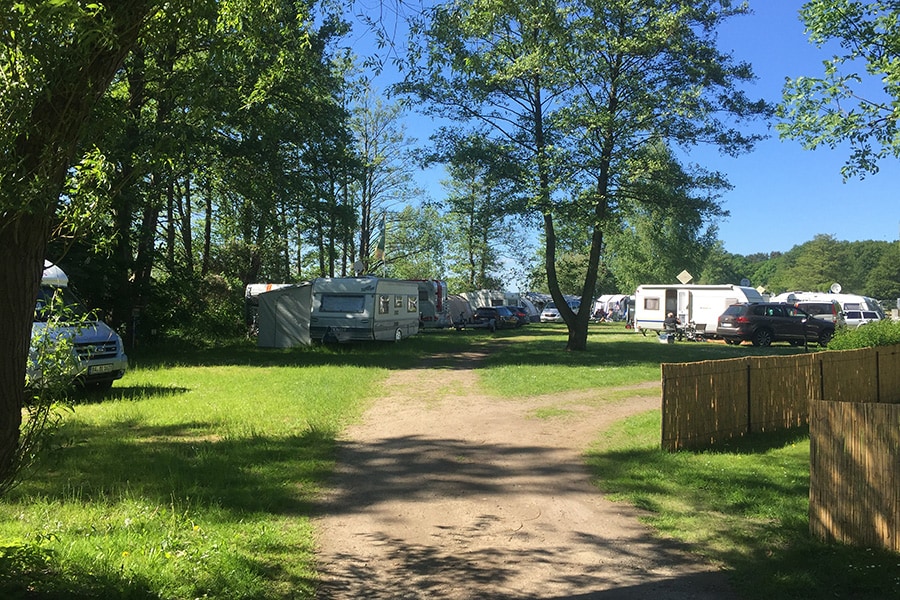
<point>196,475</point>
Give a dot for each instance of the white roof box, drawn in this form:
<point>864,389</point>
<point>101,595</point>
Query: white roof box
<point>53,275</point>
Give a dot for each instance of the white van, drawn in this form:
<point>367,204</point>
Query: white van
<point>98,354</point>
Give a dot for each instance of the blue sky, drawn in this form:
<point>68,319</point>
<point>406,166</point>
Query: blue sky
<point>783,195</point>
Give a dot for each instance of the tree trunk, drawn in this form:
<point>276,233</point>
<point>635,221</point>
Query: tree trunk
<point>39,159</point>
<point>23,242</point>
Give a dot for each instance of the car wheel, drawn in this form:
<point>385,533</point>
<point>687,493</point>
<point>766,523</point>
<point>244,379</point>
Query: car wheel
<point>762,337</point>
<point>398,335</point>
<point>825,337</point>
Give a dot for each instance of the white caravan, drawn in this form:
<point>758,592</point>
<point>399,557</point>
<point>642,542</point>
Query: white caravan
<point>481,298</point>
<point>434,305</point>
<point>847,301</point>
<point>858,310</point>
<point>98,354</point>
<point>691,303</point>
<point>338,309</point>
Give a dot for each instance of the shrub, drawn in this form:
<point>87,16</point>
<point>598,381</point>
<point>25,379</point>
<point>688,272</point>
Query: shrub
<point>190,306</point>
<point>879,333</point>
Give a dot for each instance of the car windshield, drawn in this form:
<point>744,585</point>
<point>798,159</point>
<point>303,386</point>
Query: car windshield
<point>57,301</point>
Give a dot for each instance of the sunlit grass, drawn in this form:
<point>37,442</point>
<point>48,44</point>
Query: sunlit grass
<point>743,506</point>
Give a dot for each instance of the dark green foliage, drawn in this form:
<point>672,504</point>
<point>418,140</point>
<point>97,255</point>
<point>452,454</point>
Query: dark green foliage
<point>880,333</point>
<point>194,307</point>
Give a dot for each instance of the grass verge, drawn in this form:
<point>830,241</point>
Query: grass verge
<point>743,506</point>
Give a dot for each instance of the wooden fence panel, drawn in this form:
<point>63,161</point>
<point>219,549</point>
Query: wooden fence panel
<point>889,374</point>
<point>855,473</point>
<point>850,374</point>
<point>703,402</point>
<point>780,391</point>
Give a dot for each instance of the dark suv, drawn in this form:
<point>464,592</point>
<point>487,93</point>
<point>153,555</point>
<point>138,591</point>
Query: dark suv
<point>765,322</point>
<point>493,317</point>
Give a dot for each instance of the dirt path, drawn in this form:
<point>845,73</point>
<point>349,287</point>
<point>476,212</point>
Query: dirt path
<point>443,493</point>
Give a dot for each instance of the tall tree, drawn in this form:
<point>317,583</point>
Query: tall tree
<point>59,57</point>
<point>857,100</point>
<point>479,208</point>
<point>385,177</point>
<point>579,88</point>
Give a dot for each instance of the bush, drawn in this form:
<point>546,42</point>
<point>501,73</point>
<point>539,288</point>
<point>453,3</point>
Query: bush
<point>880,333</point>
<point>189,306</point>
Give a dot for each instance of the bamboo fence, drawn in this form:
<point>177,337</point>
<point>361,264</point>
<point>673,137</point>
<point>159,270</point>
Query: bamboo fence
<point>851,401</point>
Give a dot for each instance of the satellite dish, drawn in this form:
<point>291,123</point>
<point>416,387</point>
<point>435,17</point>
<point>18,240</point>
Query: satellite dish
<point>745,282</point>
<point>835,288</point>
<point>358,267</point>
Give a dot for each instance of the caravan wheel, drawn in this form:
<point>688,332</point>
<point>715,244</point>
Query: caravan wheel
<point>398,335</point>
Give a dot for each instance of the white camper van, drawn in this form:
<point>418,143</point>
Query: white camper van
<point>691,303</point>
<point>98,352</point>
<point>338,309</point>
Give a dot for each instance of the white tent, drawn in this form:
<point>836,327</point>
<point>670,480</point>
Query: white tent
<point>284,316</point>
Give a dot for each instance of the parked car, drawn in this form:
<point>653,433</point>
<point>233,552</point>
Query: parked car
<point>493,317</point>
<point>855,318</point>
<point>765,322</point>
<point>827,310</point>
<point>520,314</point>
<point>550,314</point>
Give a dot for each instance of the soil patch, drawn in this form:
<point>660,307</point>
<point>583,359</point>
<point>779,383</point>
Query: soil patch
<point>444,493</point>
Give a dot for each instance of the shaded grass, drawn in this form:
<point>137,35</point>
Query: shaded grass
<point>744,506</point>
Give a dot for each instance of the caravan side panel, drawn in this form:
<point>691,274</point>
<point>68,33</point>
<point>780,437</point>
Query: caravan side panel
<point>396,310</point>
<point>649,308</point>
<point>364,308</point>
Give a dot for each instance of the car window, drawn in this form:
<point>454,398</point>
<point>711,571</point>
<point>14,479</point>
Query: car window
<point>870,315</point>
<point>816,309</point>
<point>853,314</point>
<point>735,309</point>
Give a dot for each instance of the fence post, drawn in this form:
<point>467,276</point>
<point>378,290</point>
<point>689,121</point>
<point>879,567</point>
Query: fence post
<point>749,401</point>
<point>877,378</point>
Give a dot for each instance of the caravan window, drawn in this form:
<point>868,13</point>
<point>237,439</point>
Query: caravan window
<point>343,303</point>
<point>384,305</point>
<point>651,303</point>
<point>398,301</point>
<point>412,304</point>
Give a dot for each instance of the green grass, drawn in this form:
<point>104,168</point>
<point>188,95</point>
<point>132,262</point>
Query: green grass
<point>743,506</point>
<point>197,474</point>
